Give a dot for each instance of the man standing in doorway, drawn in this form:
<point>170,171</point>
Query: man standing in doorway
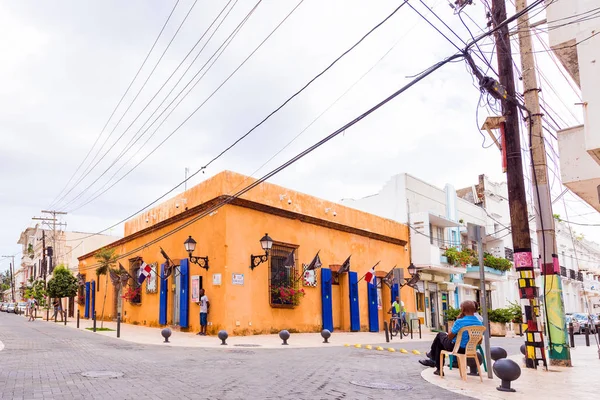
<point>204,307</point>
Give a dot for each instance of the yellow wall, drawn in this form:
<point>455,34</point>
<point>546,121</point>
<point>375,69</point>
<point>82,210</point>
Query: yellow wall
<point>230,235</point>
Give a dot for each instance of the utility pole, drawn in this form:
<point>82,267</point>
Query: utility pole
<point>559,353</point>
<point>12,276</point>
<point>54,214</point>
<point>517,199</point>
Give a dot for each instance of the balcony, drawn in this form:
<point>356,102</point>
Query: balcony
<point>580,276</point>
<point>563,271</point>
<point>491,274</point>
<point>434,261</point>
<point>572,274</point>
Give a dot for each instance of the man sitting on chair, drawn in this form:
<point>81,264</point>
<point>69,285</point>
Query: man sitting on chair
<point>444,341</point>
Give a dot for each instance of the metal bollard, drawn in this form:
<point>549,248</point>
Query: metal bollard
<point>387,334</point>
<point>47,314</point>
<point>420,333</point>
<point>77,318</point>
<point>598,331</point>
<point>587,336</point>
<point>400,333</point>
<point>571,335</point>
<point>118,325</point>
<point>94,316</point>
<point>65,313</point>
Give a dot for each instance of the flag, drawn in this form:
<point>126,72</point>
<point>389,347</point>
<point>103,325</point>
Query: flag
<point>145,270</point>
<point>345,266</point>
<point>315,263</point>
<point>290,261</point>
<point>370,275</point>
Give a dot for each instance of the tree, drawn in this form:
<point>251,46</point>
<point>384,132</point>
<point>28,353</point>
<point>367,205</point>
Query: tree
<point>106,258</point>
<point>37,290</point>
<point>62,283</point>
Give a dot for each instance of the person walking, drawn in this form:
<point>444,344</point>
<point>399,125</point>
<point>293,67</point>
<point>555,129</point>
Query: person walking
<point>32,307</point>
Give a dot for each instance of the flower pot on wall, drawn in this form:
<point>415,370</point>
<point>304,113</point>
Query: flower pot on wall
<point>497,329</point>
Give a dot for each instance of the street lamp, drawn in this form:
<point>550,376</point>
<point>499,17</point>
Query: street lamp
<point>266,243</point>
<point>412,269</point>
<point>190,246</point>
<point>414,277</point>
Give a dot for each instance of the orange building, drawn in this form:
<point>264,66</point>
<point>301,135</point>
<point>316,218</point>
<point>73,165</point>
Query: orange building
<point>245,300</point>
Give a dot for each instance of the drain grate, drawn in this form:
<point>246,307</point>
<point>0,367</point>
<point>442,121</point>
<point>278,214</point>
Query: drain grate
<point>246,345</point>
<point>240,351</point>
<point>382,385</point>
<point>102,374</point>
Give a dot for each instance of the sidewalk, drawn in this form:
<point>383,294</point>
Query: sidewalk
<point>579,381</point>
<point>145,335</point>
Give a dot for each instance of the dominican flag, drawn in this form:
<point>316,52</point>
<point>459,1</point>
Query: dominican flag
<point>370,275</point>
<point>145,270</point>
<point>315,263</point>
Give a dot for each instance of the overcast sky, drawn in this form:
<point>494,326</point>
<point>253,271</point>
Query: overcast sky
<point>66,64</point>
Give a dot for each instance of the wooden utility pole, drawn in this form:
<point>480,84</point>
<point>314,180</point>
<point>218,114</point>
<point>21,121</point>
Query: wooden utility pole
<point>12,276</point>
<point>559,353</point>
<point>517,199</point>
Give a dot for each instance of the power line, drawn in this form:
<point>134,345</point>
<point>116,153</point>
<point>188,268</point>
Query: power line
<point>118,104</point>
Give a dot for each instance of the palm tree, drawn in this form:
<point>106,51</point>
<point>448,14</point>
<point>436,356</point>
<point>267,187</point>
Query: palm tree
<point>106,258</point>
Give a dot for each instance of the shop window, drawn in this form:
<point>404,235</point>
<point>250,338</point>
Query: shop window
<point>283,280</point>
<point>420,302</point>
<point>134,271</point>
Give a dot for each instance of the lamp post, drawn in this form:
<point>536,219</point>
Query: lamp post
<point>266,243</point>
<point>414,277</point>
<point>190,246</point>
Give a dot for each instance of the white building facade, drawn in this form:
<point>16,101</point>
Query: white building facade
<point>438,219</point>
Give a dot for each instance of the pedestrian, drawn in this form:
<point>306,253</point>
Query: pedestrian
<point>444,341</point>
<point>57,309</point>
<point>32,306</point>
<point>204,307</point>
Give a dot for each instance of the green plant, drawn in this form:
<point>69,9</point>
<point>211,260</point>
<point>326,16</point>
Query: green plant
<point>557,217</point>
<point>100,329</point>
<point>30,251</point>
<point>452,313</point>
<point>286,295</point>
<point>460,257</point>
<point>497,263</point>
<point>500,315</point>
<point>62,283</point>
<point>106,258</point>
<point>517,313</point>
<point>37,290</point>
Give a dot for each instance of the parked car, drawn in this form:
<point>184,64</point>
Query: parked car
<point>22,307</point>
<point>3,306</point>
<point>570,319</point>
<point>585,320</point>
<point>11,308</point>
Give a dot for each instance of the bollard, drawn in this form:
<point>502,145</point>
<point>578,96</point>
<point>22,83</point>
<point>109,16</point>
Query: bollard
<point>94,316</point>
<point>400,333</point>
<point>77,318</point>
<point>118,324</point>
<point>65,312</point>
<point>387,334</point>
<point>598,331</point>
<point>284,335</point>
<point>47,314</point>
<point>587,336</point>
<point>420,333</point>
<point>571,335</point>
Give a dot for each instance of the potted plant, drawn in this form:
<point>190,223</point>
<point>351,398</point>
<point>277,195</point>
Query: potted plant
<point>451,315</point>
<point>498,320</point>
<point>286,295</point>
<point>517,315</point>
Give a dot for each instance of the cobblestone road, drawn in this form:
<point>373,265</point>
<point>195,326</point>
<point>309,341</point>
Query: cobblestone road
<point>45,361</point>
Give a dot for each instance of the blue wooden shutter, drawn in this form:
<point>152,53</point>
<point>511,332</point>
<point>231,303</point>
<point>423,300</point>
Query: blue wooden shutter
<point>164,290</point>
<point>395,292</point>
<point>86,310</point>
<point>354,312</point>
<point>93,295</point>
<point>184,298</point>
<point>373,306</point>
<point>326,302</point>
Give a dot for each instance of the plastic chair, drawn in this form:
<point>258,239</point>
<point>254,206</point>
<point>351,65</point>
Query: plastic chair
<point>475,337</point>
<point>479,350</point>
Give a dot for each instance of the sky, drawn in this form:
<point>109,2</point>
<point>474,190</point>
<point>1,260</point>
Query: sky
<point>66,65</point>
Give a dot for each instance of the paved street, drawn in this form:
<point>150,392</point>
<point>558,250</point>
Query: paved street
<point>44,360</point>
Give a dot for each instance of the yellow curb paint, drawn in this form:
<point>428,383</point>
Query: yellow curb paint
<point>416,352</point>
<point>379,348</point>
<point>358,346</point>
<point>368,347</point>
<point>391,350</point>
<point>403,351</point>
<point>346,345</point>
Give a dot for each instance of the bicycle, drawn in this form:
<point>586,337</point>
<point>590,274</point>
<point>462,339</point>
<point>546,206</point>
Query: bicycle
<point>397,325</point>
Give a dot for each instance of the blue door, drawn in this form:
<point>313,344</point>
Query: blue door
<point>184,298</point>
<point>93,296</point>
<point>395,292</point>
<point>164,290</point>
<point>354,313</point>
<point>373,307</point>
<point>86,310</point>
<point>326,302</point>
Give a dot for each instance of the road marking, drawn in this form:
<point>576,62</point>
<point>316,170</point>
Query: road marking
<point>1,345</point>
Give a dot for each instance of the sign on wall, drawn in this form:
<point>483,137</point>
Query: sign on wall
<point>217,279</point>
<point>195,288</point>
<point>309,278</point>
<point>237,279</point>
<point>152,279</point>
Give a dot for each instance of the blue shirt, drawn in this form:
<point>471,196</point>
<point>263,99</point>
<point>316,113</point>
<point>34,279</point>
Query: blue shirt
<point>468,320</point>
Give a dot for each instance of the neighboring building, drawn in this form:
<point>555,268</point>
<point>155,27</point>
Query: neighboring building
<point>438,218</point>
<point>245,300</point>
<point>573,34</point>
<point>68,247</point>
